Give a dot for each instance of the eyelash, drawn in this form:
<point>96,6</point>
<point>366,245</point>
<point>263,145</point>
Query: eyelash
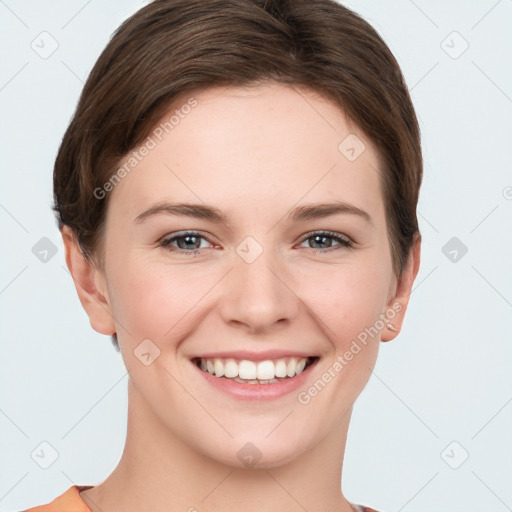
<point>343,241</point>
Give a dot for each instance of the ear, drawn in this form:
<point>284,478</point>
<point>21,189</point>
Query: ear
<point>90,285</point>
<point>398,303</point>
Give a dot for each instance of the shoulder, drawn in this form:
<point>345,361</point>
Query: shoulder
<point>69,501</point>
<point>362,508</point>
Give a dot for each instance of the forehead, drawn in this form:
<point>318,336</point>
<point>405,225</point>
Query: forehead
<point>269,145</point>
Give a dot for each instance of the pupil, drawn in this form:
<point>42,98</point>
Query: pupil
<point>188,239</point>
<point>319,237</point>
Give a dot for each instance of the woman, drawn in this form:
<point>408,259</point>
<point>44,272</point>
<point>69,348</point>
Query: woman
<point>237,198</point>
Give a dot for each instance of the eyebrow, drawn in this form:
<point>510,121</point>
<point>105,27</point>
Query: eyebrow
<point>298,214</point>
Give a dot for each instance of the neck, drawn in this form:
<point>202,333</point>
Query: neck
<point>158,471</point>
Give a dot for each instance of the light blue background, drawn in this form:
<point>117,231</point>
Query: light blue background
<point>446,378</point>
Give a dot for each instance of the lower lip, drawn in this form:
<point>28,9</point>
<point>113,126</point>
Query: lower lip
<point>257,391</point>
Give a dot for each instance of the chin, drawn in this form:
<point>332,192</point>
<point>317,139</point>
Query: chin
<point>258,451</point>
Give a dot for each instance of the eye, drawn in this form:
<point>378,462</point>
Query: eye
<point>190,242</point>
<point>322,241</point>
<point>187,242</point>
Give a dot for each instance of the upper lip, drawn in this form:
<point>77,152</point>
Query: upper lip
<point>255,356</point>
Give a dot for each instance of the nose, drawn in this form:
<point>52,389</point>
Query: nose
<point>259,296</point>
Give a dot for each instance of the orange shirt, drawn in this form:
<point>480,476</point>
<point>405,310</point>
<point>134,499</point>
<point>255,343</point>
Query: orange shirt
<point>70,501</point>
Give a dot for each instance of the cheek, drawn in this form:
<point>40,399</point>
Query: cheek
<point>159,305</point>
<point>348,298</point>
<point>348,305</point>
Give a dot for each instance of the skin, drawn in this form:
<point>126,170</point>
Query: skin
<point>254,153</point>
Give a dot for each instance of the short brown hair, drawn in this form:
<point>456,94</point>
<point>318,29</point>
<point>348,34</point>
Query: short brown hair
<point>172,47</point>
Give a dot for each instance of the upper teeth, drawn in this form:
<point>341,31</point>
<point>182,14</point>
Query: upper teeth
<point>262,370</point>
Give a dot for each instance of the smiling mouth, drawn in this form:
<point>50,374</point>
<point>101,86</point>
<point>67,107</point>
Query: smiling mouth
<point>244,371</point>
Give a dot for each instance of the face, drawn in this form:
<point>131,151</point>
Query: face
<point>257,271</point>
